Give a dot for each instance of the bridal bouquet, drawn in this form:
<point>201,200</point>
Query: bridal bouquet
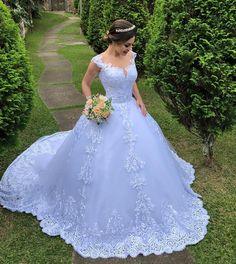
<point>98,108</point>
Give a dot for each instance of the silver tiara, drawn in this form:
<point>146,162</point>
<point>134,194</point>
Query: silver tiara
<point>125,29</point>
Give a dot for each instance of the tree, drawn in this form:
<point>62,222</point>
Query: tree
<point>190,60</point>
<point>85,16</point>
<point>94,25</point>
<point>23,11</point>
<point>16,90</point>
<point>137,13</point>
<point>151,5</point>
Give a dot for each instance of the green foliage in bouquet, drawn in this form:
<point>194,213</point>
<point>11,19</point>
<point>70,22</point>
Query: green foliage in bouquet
<point>16,90</point>
<point>190,60</point>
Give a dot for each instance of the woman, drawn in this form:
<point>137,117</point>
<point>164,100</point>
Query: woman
<point>114,189</point>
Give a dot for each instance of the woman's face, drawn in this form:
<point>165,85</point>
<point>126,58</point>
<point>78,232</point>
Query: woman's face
<point>124,47</point>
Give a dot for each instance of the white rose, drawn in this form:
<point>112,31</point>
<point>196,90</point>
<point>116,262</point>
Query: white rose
<point>102,97</point>
<point>89,102</point>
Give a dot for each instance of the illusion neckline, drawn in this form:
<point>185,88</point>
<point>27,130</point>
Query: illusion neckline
<point>124,69</point>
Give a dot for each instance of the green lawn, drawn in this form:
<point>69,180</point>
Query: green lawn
<point>21,239</point>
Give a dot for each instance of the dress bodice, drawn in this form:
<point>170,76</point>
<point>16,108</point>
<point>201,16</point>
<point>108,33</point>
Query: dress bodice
<point>117,81</point>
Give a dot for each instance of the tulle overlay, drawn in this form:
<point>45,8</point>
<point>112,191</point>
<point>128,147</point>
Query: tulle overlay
<point>109,190</point>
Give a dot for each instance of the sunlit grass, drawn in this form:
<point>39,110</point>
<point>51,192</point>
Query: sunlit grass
<point>22,240</point>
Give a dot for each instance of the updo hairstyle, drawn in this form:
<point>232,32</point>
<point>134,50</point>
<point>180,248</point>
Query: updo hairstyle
<point>113,36</point>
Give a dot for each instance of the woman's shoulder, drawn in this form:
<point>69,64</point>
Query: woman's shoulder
<point>97,60</point>
<point>96,57</point>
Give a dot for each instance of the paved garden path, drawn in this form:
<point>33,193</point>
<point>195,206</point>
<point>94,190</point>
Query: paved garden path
<point>55,85</point>
<point>57,91</point>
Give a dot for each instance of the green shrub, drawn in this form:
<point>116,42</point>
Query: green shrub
<point>137,13</point>
<point>153,30</point>
<point>24,10</point>
<point>190,60</point>
<point>76,4</point>
<point>94,25</point>
<point>15,78</point>
<point>151,5</point>
<point>85,16</point>
<point>108,11</point>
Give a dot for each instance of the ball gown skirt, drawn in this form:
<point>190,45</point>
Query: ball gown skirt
<point>109,190</point>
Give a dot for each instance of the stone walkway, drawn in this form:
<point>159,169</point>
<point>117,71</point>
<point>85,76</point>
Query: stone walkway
<point>55,86</point>
<point>58,92</point>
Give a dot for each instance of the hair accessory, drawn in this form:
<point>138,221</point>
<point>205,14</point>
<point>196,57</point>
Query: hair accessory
<point>125,29</point>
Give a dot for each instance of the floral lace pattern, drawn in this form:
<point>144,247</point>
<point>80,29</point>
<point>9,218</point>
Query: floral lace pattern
<point>111,76</point>
<point>187,167</point>
<point>133,165</point>
<point>86,173</point>
<point>56,180</point>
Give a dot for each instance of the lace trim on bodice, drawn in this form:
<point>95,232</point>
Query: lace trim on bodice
<point>98,60</point>
<point>61,214</point>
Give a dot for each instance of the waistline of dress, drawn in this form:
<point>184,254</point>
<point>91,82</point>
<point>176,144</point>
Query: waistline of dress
<point>120,100</point>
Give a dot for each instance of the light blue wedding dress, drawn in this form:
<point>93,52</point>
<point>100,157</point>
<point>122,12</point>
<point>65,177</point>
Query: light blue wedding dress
<point>109,190</point>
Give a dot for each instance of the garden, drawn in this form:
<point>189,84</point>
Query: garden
<point>186,66</point>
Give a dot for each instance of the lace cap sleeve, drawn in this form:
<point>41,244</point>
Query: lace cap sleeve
<point>97,60</point>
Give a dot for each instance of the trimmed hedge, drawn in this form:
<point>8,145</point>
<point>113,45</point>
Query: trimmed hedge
<point>24,10</point>
<point>85,16</point>
<point>94,24</point>
<point>190,60</point>
<point>16,90</point>
<point>76,4</point>
<point>151,5</point>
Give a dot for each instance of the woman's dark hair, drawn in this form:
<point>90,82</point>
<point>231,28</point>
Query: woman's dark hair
<point>113,35</point>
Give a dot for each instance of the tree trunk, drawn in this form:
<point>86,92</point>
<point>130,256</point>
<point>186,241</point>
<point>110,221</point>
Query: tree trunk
<point>208,143</point>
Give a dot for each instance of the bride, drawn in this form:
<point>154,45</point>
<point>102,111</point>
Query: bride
<point>116,189</point>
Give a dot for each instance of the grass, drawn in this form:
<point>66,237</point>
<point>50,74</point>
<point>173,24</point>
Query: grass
<point>22,240</point>
<point>72,31</point>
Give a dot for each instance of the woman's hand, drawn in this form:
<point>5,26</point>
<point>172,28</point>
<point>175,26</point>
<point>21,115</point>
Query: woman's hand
<point>140,104</point>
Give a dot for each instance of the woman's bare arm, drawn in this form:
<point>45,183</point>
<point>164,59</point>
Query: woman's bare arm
<point>136,92</point>
<point>89,76</point>
<point>139,99</point>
